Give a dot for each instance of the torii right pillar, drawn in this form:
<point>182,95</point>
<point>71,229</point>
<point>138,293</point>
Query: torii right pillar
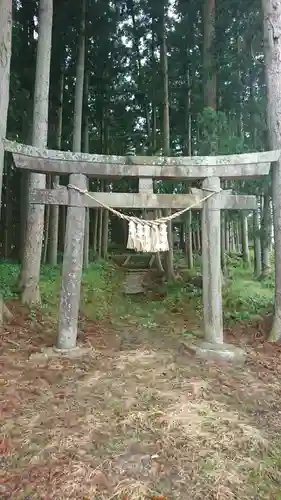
<point>213,346</point>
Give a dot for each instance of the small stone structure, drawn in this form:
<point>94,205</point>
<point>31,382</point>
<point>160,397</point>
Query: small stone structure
<point>134,281</point>
<point>80,165</point>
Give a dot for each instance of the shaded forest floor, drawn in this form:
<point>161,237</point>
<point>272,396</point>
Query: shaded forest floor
<point>136,417</point>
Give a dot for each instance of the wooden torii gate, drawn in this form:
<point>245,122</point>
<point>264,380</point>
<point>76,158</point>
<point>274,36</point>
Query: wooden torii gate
<point>81,165</point>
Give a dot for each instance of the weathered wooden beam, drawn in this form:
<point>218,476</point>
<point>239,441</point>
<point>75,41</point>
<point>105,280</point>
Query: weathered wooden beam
<point>145,185</point>
<point>113,170</point>
<point>59,196</point>
<point>225,200</point>
<point>188,161</point>
<point>62,196</point>
<point>238,202</point>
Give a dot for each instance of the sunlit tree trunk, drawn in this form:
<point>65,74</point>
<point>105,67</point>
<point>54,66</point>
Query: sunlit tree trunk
<point>30,271</point>
<point>272,52</point>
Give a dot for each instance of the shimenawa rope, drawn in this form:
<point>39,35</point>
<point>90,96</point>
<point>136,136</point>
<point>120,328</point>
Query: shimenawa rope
<point>145,235</point>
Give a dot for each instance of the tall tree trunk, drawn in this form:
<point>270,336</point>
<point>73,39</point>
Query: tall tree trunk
<point>100,232</point>
<point>105,217</point>
<point>105,227</point>
<point>188,250</point>
<point>46,224</point>
<point>272,50</point>
<point>266,233</point>
<point>95,232</point>
<point>245,239</point>
<point>30,271</point>
<point>86,150</point>
<point>54,209</point>
<point>188,240</point>
<point>227,239</point>
<point>257,244</point>
<point>223,259</point>
<point>141,93</point>
<point>237,236</point>
<point>5,60</point>
<point>210,80</point>
<point>166,137</point>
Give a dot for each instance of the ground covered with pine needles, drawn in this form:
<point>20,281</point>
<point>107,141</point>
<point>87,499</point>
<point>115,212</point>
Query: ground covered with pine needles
<point>137,417</point>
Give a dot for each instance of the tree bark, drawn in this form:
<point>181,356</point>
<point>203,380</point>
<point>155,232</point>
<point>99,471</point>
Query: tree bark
<point>188,240</point>
<point>272,51</point>
<point>226,232</point>
<point>30,271</point>
<point>95,231</point>
<point>5,61</point>
<point>166,136</point>
<point>245,239</point>
<point>210,80</point>
<point>257,244</point>
<point>54,209</point>
<point>188,248</point>
<point>86,150</point>
<point>46,224</point>
<point>223,259</point>
<point>100,226</point>
<point>266,233</point>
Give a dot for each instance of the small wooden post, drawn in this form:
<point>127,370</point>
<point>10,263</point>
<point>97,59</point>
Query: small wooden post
<point>211,256</point>
<point>72,267</point>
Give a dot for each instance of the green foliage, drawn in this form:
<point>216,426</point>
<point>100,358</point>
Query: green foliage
<point>218,135</point>
<point>244,297</point>
<point>8,276</point>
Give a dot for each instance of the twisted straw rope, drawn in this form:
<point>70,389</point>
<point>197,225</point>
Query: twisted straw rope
<point>129,218</point>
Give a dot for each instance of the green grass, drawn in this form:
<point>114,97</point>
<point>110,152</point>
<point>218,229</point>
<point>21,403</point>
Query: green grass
<point>244,297</point>
<point>267,476</point>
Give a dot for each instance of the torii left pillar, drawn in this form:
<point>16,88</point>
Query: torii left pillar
<point>211,260</point>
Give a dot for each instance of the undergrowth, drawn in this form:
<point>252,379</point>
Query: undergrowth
<point>244,297</point>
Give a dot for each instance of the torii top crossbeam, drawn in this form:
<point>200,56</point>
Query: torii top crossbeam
<point>249,165</point>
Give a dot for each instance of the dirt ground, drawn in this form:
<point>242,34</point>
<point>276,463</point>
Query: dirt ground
<point>137,420</point>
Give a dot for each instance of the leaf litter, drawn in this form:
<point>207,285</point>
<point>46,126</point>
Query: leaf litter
<point>135,424</point>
